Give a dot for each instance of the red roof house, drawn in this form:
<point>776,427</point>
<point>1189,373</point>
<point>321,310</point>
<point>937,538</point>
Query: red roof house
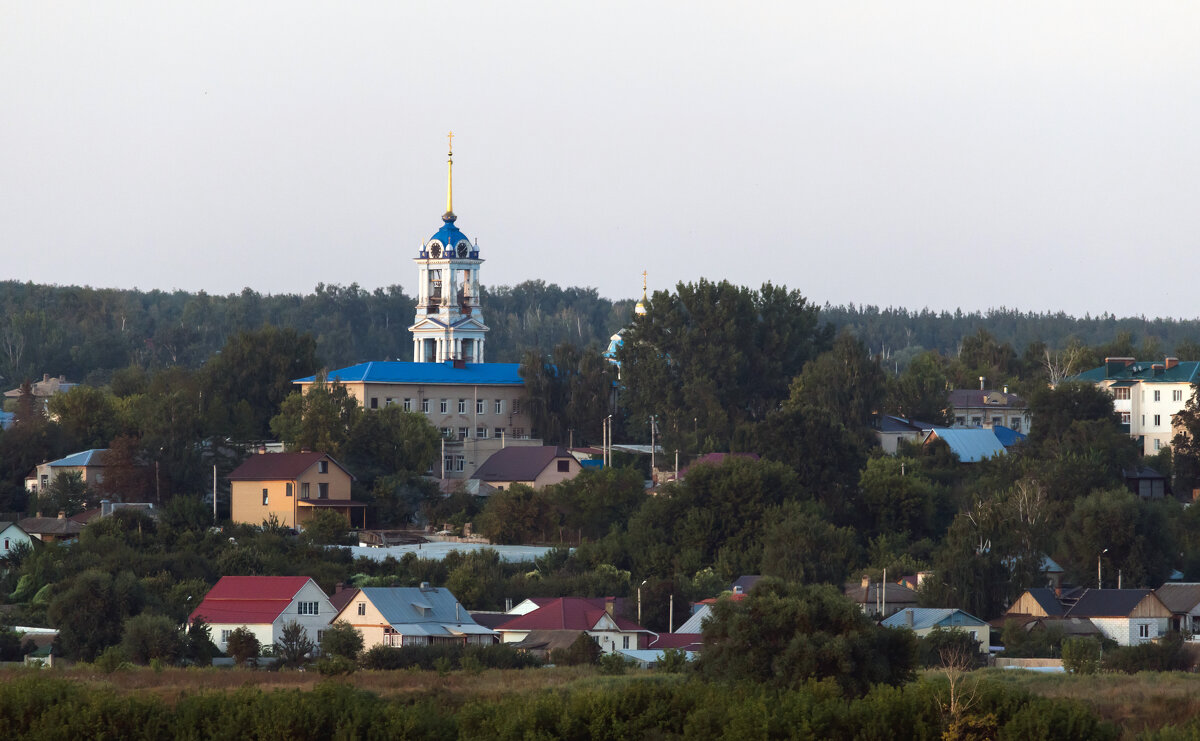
<point>263,604</point>
<point>596,617</point>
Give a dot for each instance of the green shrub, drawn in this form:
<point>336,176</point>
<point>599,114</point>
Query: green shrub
<point>1164,656</point>
<point>673,661</point>
<point>111,659</point>
<point>497,656</point>
<point>583,650</point>
<point>1081,655</point>
<point>152,637</point>
<point>334,666</point>
<point>342,639</point>
<point>613,664</point>
<point>243,646</point>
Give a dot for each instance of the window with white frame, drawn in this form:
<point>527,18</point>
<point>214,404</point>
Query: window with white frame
<point>624,641</point>
<point>308,608</point>
<point>1121,393</point>
<point>480,406</point>
<point>264,497</point>
<point>425,405</point>
<point>499,406</point>
<point>448,433</point>
<point>225,635</point>
<point>460,463</point>
<point>1157,444</point>
<point>516,406</point>
<point>462,406</point>
<point>1157,420</point>
<point>481,433</point>
<point>1177,395</point>
<point>362,608</point>
<point>448,462</point>
<point>1143,631</point>
<point>463,433</point>
<point>1125,416</point>
<point>1157,395</point>
<point>444,405</point>
<point>408,405</point>
<point>322,466</point>
<point>499,432</point>
<point>1015,424</point>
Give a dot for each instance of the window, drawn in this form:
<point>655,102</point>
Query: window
<point>1157,395</point>
<point>1177,395</point>
<point>374,402</point>
<point>322,466</point>
<point>6,546</point>
<point>462,433</point>
<point>1143,631</point>
<point>448,433</point>
<point>460,463</point>
<point>362,608</point>
<point>308,608</point>
<point>264,497</point>
<point>425,405</point>
<point>499,432</point>
<point>387,402</point>
<point>444,405</point>
<point>448,463</point>
<point>1157,420</point>
<point>481,433</point>
<point>960,421</point>
<point>462,406</point>
<point>1125,417</point>
<point>304,490</point>
<point>1015,424</point>
<point>516,406</point>
<point>564,466</point>
<point>288,489</point>
<point>1157,444</point>
<point>997,421</point>
<point>1121,394</point>
<point>624,641</point>
<point>225,636</point>
<point>499,406</point>
<point>408,405</point>
<point>977,421</point>
<point>519,433</point>
<point>480,406</point>
<point>322,491</point>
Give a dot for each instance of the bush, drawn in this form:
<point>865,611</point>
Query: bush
<point>243,646</point>
<point>497,656</point>
<point>148,637</point>
<point>342,639</point>
<point>111,659</point>
<point>584,650</point>
<point>938,644</point>
<point>1081,655</point>
<point>673,661</point>
<point>334,666</point>
<point>1166,655</point>
<point>613,664</point>
<point>294,648</point>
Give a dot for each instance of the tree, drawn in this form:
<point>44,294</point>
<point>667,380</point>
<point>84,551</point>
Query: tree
<point>896,497</point>
<point>1185,445</point>
<point>1130,535</point>
<point>294,647</point>
<point>921,392</point>
<point>198,647</point>
<point>845,384</point>
<point>569,392</point>
<point>149,637</point>
<point>326,527</point>
<point>341,639</point>
<point>127,478</point>
<point>785,636</point>
<point>518,514</point>
<point>67,493</point>
<point>1056,409</point>
<point>87,416</point>
<point>89,611</point>
<point>242,645</point>
<point>583,650</point>
<point>1081,655</point>
<point>390,441</point>
<point>320,419</point>
<point>256,368</point>
<point>800,546</point>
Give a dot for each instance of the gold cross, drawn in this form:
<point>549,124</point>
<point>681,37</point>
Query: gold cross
<point>450,139</point>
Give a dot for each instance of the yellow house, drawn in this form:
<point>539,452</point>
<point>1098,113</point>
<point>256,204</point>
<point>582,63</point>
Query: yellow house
<point>290,487</point>
<point>412,616</point>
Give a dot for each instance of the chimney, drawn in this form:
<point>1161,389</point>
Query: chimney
<point>1158,369</point>
<point>45,377</point>
<point>922,576</point>
<point>1171,362</point>
<point>457,616</point>
<point>1006,388</point>
<point>424,586</point>
<point>62,515</point>
<point>508,604</point>
<point>609,605</point>
<point>908,617</point>
<point>1116,365</point>
<point>981,380</point>
<point>339,587</point>
<point>866,581</point>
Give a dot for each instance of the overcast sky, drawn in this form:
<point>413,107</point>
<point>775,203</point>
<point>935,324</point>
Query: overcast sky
<point>1040,156</point>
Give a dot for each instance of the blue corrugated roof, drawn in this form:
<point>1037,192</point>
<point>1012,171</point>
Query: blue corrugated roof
<point>971,446</point>
<point>394,371</point>
<point>929,617</point>
<point>86,458</point>
<point>1007,436</point>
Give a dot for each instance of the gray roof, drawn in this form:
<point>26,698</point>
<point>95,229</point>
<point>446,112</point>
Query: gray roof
<point>520,462</point>
<point>50,526</point>
<point>431,611</point>
<point>971,446</point>
<point>896,594</point>
<point>1047,600</point>
<point>1178,597</point>
<point>976,399</point>
<point>932,617</point>
<point>1107,602</point>
<point>746,582</point>
<point>693,624</point>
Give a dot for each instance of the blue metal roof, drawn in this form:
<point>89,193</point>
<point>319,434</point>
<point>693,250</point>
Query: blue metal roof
<point>86,458</point>
<point>1007,436</point>
<point>971,446</point>
<point>394,371</point>
<point>930,617</point>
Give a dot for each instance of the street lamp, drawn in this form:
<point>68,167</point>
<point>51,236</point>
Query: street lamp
<point>640,600</point>
<point>1099,580</point>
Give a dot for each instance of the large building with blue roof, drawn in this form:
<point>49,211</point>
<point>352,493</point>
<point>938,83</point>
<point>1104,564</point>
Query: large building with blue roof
<point>1147,394</point>
<point>478,407</point>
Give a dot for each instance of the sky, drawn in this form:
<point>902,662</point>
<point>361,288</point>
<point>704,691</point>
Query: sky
<point>1038,156</point>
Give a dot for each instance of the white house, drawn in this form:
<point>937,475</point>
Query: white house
<point>12,536</point>
<point>1146,394</point>
<point>1127,616</point>
<point>264,604</point>
<point>596,617</point>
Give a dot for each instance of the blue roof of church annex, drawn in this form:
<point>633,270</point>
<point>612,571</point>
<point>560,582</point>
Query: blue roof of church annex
<point>395,371</point>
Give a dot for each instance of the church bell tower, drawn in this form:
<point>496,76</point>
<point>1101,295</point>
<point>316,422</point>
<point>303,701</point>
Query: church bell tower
<point>449,323</point>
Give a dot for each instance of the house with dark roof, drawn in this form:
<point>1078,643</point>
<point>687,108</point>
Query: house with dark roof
<point>535,466</point>
<point>59,529</point>
<point>925,620</point>
<point>890,431</point>
<point>988,408</point>
<point>290,487</point>
<point>412,616</point>
<point>1183,600</point>
<point>43,389</point>
<point>596,617</point>
<point>1127,616</point>
<point>12,537</point>
<point>263,605</point>
<point>1147,394</point>
<point>878,599</point>
<point>1146,482</point>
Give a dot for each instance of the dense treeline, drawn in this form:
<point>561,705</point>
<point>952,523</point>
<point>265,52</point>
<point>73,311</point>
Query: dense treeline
<point>663,707</point>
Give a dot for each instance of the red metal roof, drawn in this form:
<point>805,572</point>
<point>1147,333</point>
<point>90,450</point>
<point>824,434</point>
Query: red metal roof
<point>567,613</point>
<point>249,599</point>
<point>688,641</point>
<point>276,466</point>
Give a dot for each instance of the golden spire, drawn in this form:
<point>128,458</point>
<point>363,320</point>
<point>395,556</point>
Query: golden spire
<point>450,174</point>
<point>640,307</point>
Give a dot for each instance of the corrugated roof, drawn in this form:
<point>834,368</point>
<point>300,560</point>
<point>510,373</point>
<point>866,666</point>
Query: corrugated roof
<point>1107,602</point>
<point>93,457</point>
<point>1047,600</point>
<point>1178,597</point>
<point>930,617</point>
<point>519,462</point>
<point>971,446</point>
<point>275,466</point>
<point>1186,371</point>
<point>695,624</point>
<point>423,611</point>
<point>248,599</point>
<point>976,398</point>
<point>568,613</point>
<point>394,371</point>
<point>50,526</point>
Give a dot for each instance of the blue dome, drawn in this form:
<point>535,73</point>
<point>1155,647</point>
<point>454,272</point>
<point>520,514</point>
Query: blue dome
<point>449,236</point>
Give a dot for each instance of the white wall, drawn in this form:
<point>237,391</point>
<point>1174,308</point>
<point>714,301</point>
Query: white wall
<point>1126,631</point>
